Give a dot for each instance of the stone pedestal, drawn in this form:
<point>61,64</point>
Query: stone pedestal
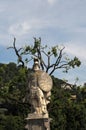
<point>37,122</point>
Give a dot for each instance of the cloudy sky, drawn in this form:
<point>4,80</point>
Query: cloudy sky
<point>55,21</point>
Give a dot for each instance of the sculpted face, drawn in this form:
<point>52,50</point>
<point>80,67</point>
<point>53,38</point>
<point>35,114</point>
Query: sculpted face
<point>36,64</point>
<point>36,67</point>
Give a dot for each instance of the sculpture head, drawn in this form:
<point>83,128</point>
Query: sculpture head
<point>36,65</point>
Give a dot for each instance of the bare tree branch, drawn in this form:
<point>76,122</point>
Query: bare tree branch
<point>41,53</point>
<point>17,52</point>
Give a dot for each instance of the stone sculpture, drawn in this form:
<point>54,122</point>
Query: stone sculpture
<point>38,95</point>
<point>39,85</point>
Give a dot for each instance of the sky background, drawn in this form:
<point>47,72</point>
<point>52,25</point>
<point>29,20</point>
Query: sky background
<point>61,22</point>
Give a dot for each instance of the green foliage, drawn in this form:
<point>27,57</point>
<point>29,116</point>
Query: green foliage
<point>44,52</point>
<point>66,114</point>
<point>11,123</point>
<point>75,62</point>
<point>76,115</point>
<point>54,50</point>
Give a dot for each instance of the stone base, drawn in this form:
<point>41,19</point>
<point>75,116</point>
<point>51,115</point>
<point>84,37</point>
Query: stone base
<point>37,122</point>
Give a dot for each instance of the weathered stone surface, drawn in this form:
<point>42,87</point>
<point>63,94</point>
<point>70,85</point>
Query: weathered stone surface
<point>44,81</point>
<point>39,85</point>
<point>41,79</point>
<point>37,116</point>
<point>38,124</point>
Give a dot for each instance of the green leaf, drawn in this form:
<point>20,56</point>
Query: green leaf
<point>54,51</point>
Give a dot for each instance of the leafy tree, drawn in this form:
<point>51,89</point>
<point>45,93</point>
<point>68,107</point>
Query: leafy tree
<point>12,123</point>
<point>12,90</point>
<point>66,114</point>
<point>76,117</point>
<point>56,59</point>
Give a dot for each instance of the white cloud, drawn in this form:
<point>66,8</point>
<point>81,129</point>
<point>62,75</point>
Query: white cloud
<point>51,2</point>
<point>77,50</point>
<point>65,18</point>
<point>19,29</point>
